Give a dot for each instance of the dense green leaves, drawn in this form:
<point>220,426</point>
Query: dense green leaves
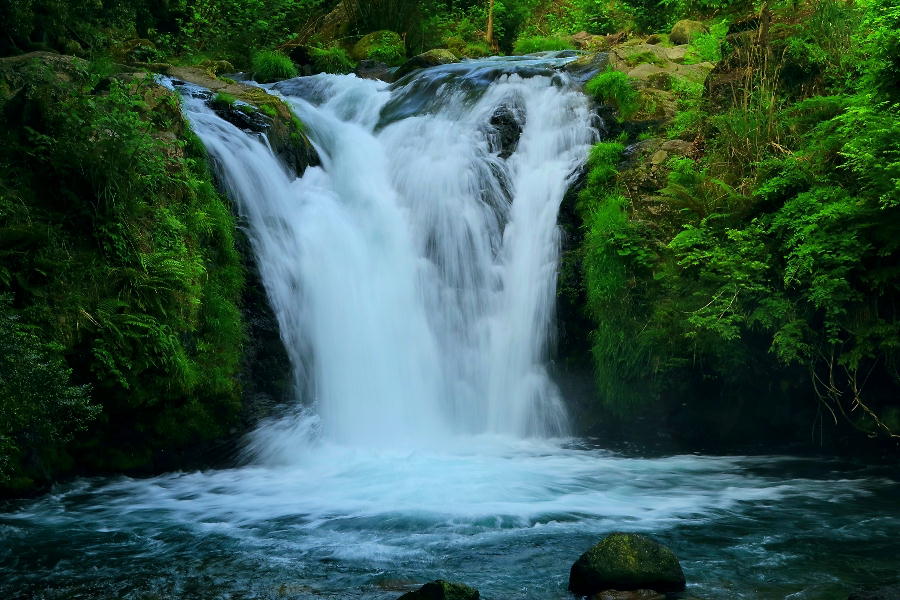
<point>118,248</point>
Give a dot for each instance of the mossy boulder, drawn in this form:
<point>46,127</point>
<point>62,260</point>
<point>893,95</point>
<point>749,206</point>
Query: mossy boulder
<point>432,58</point>
<point>250,107</point>
<point>683,31</point>
<point>626,561</point>
<point>442,590</point>
<point>381,46</point>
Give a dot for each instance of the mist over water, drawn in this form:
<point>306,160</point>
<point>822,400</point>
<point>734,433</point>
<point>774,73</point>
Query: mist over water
<point>413,278</point>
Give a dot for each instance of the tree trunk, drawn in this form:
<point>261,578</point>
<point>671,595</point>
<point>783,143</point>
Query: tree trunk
<point>489,35</point>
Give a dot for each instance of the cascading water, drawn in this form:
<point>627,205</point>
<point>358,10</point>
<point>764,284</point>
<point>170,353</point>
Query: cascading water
<point>414,272</point>
<point>412,276</point>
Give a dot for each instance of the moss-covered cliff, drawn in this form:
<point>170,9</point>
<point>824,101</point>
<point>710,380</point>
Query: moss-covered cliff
<point>121,281</point>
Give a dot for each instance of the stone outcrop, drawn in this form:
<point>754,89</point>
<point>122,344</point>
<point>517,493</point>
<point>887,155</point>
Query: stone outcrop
<point>264,113</point>
<point>432,58</point>
<point>683,31</point>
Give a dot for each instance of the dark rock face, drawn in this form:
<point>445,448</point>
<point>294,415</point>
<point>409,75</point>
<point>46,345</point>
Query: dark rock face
<point>265,366</point>
<point>507,122</point>
<point>891,592</point>
<point>372,69</point>
<point>626,561</point>
<point>442,590</point>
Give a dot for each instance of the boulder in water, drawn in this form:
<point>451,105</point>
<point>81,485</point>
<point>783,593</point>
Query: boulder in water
<point>432,58</point>
<point>507,122</point>
<point>683,31</point>
<point>372,69</point>
<point>626,561</point>
<point>442,590</point>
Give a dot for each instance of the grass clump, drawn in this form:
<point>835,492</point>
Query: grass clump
<point>331,60</point>
<point>539,43</point>
<point>269,66</point>
<point>614,88</point>
<point>223,100</point>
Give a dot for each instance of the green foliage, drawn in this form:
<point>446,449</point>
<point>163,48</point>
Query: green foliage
<point>118,248</point>
<point>615,89</point>
<point>223,99</point>
<point>233,27</point>
<point>271,66</point>
<point>333,59</point>
<point>771,256</point>
<point>708,46</point>
<point>40,409</point>
<point>537,43</point>
<point>382,46</point>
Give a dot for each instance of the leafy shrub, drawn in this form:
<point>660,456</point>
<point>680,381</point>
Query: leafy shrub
<point>40,409</point>
<point>126,262</point>
<point>271,66</point>
<point>615,89</point>
<point>707,46</point>
<point>537,43</point>
<point>382,46</point>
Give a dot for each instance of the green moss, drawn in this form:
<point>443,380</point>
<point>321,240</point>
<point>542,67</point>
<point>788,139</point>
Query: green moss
<point>382,46</point>
<point>268,110</point>
<point>223,100</point>
<point>638,58</point>
<point>626,561</point>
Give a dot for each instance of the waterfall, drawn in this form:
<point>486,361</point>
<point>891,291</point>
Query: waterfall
<point>413,273</point>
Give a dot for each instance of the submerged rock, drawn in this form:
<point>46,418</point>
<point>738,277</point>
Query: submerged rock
<point>626,561</point>
<point>442,590</point>
<point>373,69</point>
<point>432,58</point>
<point>891,592</point>
<point>507,122</point>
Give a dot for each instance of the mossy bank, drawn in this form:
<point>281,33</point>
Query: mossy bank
<point>121,283</point>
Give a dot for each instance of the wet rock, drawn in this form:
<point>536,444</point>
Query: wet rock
<point>432,58</point>
<point>442,590</point>
<point>507,122</point>
<point>585,67</point>
<point>269,115</point>
<point>372,69</point>
<point>626,561</point>
<point>891,592</point>
<point>683,31</point>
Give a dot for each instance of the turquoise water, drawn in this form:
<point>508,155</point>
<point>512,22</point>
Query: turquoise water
<point>508,517</point>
